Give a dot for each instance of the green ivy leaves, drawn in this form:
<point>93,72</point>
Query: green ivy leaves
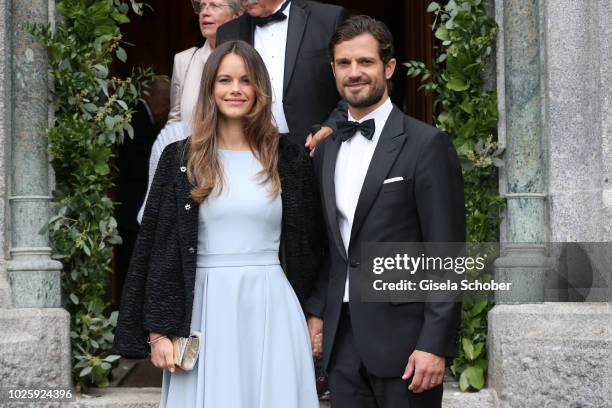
<point>93,110</point>
<point>95,337</point>
<point>472,376</point>
<point>121,54</point>
<point>468,113</point>
<point>456,84</point>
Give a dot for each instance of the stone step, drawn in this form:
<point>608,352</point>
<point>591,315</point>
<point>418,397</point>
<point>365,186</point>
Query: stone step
<point>149,398</point>
<point>125,398</point>
<point>118,397</point>
<point>455,398</point>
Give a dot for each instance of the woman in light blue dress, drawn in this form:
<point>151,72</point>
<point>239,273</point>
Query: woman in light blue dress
<point>255,350</point>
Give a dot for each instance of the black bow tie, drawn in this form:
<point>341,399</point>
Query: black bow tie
<point>347,129</point>
<point>278,16</point>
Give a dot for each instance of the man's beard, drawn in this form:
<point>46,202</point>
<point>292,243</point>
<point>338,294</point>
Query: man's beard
<point>368,100</point>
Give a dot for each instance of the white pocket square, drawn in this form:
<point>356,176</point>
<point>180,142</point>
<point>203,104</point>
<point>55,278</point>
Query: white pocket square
<point>393,180</point>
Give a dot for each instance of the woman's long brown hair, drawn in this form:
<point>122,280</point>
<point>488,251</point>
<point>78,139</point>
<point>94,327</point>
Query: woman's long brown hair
<point>203,166</point>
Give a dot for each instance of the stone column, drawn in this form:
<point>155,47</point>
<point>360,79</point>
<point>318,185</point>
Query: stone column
<point>35,339</point>
<point>579,130</point>
<point>522,182</point>
<point>553,77</point>
<point>33,275</point>
<point>605,106</point>
<point>5,103</point>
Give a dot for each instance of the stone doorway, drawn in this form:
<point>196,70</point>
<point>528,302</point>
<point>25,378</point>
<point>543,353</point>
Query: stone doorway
<point>170,27</point>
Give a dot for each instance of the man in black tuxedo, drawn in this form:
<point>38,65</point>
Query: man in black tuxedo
<point>292,37</point>
<point>384,177</point>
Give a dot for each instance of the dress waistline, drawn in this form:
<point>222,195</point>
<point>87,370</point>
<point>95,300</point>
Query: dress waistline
<point>242,259</point>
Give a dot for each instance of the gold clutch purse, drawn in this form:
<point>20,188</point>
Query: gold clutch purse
<point>186,350</point>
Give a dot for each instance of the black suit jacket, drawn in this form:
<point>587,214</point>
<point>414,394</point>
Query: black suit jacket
<point>159,289</point>
<point>309,89</point>
<point>133,168</point>
<point>427,206</point>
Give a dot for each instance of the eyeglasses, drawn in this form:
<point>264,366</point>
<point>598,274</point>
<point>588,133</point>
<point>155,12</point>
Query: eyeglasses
<point>212,6</point>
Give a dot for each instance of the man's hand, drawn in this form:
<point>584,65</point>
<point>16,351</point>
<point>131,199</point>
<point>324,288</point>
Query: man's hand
<point>315,330</point>
<point>428,370</point>
<point>162,353</point>
<point>313,140</point>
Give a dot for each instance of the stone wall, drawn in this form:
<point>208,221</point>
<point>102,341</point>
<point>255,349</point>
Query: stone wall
<point>604,31</point>
<point>551,355</point>
<point>577,111</point>
<point>578,119</point>
<point>5,80</point>
<point>556,354</point>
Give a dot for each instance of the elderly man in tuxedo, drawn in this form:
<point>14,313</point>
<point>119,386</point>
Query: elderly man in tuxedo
<point>292,38</point>
<point>384,177</point>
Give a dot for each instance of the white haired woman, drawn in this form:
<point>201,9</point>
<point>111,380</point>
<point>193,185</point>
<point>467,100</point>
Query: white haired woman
<point>188,64</point>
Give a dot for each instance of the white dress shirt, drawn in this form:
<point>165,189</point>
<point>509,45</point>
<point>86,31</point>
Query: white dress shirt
<point>352,165</point>
<point>270,41</point>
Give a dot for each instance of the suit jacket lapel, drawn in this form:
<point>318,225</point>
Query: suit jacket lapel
<point>329,191</point>
<point>298,16</point>
<point>247,30</point>
<point>389,145</point>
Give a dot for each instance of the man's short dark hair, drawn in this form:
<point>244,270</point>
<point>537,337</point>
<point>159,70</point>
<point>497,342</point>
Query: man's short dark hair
<point>358,25</point>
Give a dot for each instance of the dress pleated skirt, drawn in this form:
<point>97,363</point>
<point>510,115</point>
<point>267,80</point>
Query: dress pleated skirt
<point>255,350</point>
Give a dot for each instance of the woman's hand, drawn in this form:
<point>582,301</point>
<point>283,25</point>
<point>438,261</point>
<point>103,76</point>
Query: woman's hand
<point>162,352</point>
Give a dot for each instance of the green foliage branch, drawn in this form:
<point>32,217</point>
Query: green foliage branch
<point>93,111</point>
<point>468,112</point>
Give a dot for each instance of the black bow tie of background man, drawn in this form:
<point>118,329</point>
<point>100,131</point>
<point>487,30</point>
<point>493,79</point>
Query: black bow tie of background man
<point>278,16</point>
<point>347,129</point>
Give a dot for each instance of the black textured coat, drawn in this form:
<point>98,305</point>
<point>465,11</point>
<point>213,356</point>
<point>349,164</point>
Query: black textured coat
<point>159,289</point>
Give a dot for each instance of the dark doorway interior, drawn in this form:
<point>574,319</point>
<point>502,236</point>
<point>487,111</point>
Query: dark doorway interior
<point>165,28</point>
<point>170,27</point>
<point>410,25</point>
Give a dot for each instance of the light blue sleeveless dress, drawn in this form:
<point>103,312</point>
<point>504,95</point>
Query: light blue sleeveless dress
<point>255,351</point>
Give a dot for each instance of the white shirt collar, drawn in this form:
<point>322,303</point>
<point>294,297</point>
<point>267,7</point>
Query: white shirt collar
<point>380,116</point>
<point>206,47</point>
